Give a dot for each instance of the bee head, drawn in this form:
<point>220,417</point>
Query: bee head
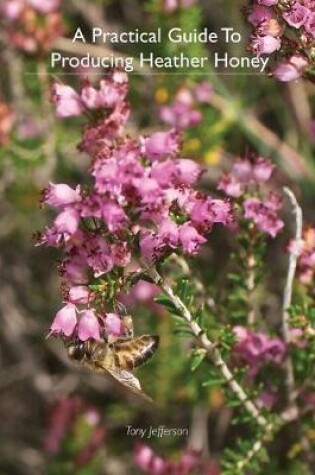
<point>76,351</point>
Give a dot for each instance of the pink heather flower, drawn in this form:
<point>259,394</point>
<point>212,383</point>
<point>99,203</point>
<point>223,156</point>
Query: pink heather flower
<point>180,115</point>
<point>203,92</point>
<point>260,14</point>
<point>98,256</point>
<point>184,96</point>
<point>65,321</point>
<point>120,253</point>
<point>242,169</point>
<point>265,44</point>
<point>188,171</point>
<point>67,222</point>
<point>80,295</point>
<point>291,69</point>
<point>264,215</point>
<point>151,247</point>
<point>114,216</point>
<point>113,90</point>
<point>144,291</point>
<point>189,462</point>
<point>88,326</point>
<point>310,25</point>
<point>165,173</point>
<point>61,195</point>
<point>230,185</point>
<point>67,100</point>
<point>44,6</point>
<point>297,15</point>
<point>262,170</point>
<point>256,349</point>
<point>245,173</point>
<point>74,270</point>
<point>208,211</point>
<point>161,144</point>
<point>168,232</point>
<point>190,239</point>
<point>90,97</point>
<point>114,325</point>
<point>139,195</point>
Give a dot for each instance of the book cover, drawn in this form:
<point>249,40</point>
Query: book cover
<point>157,237</point>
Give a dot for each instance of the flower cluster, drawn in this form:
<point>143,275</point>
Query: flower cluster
<point>32,25</point>
<point>85,323</point>
<point>142,204</point>
<point>183,112</point>
<point>288,27</point>
<point>173,5</point>
<point>67,413</point>
<point>257,349</point>
<point>190,462</point>
<point>244,183</point>
<point>105,106</point>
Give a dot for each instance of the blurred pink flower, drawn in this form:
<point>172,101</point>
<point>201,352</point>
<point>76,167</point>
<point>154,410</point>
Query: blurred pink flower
<point>61,419</point>
<point>203,92</point>
<point>67,100</point>
<point>256,349</point>
<point>230,185</point>
<point>190,462</point>
<point>264,215</point>
<point>291,69</point>
<point>161,144</point>
<point>11,9</point>
<point>29,129</point>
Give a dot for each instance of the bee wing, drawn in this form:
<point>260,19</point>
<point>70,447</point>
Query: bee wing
<point>128,380</point>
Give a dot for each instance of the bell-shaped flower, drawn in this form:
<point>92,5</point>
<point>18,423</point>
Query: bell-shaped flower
<point>65,321</point>
<point>88,326</point>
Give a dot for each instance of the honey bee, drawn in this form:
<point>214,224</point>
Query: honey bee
<point>117,357</point>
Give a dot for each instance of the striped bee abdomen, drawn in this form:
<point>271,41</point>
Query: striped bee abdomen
<point>135,352</point>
